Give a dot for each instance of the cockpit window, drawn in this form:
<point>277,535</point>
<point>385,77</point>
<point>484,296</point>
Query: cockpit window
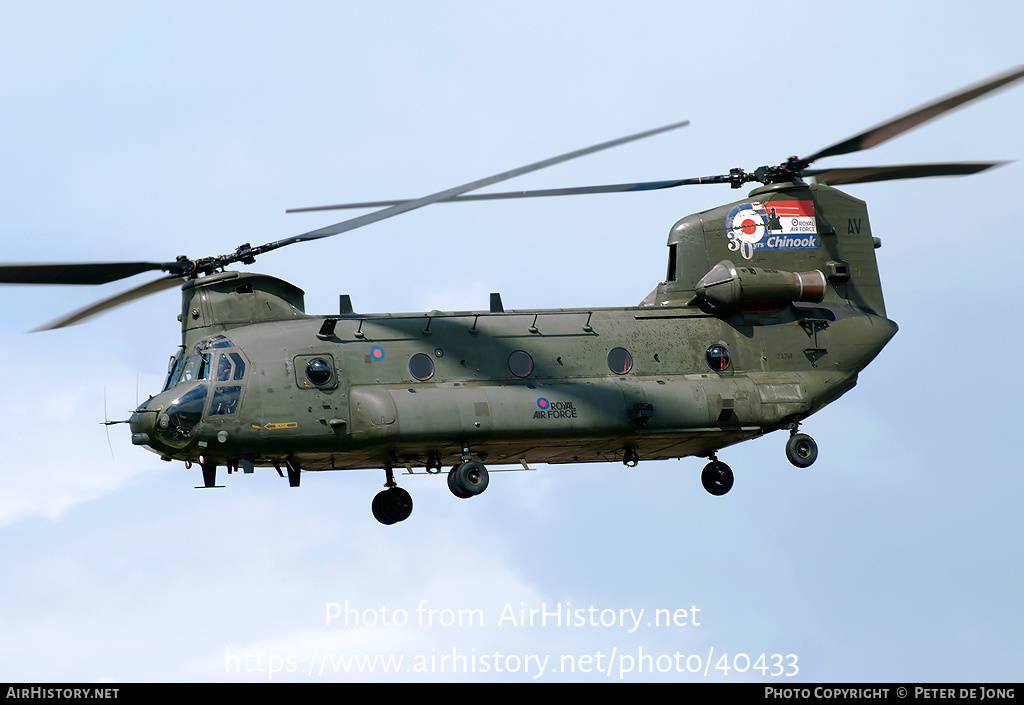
<point>225,401</point>
<point>223,368</point>
<point>217,341</point>
<point>230,366</point>
<point>239,365</point>
<point>174,369</point>
<point>196,367</point>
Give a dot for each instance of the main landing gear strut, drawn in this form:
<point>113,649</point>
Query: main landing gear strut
<point>392,505</point>
<point>467,479</point>
<point>801,450</point>
<point>716,477</point>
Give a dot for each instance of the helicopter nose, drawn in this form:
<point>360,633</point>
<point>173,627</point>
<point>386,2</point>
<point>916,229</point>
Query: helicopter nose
<point>142,423</point>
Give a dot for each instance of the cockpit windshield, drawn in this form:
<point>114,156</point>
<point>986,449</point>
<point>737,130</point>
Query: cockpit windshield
<point>173,369</point>
<point>196,367</point>
<point>186,368</point>
<point>208,384</point>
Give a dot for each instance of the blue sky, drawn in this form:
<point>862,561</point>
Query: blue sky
<point>147,130</point>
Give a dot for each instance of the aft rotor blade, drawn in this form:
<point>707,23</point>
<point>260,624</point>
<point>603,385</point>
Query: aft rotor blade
<point>897,126</point>
<point>536,193</point>
<point>866,174</point>
<point>76,272</point>
<point>405,206</point>
<point>111,302</point>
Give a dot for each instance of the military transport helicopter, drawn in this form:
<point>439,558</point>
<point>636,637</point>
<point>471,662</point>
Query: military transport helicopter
<point>770,308</point>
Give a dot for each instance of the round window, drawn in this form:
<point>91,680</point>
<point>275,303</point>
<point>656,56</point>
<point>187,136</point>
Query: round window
<point>520,363</point>
<point>421,367</point>
<point>318,371</point>
<point>718,358</point>
<point>620,361</point>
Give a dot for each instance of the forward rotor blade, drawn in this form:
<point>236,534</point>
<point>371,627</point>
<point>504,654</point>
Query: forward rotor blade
<point>405,206</point>
<point>76,272</point>
<point>866,174</point>
<point>897,126</point>
<point>111,302</point>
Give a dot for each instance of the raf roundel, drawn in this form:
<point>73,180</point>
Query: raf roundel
<point>377,352</point>
<point>543,403</point>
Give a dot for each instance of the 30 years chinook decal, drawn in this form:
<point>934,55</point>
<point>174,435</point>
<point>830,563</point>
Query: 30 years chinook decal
<point>778,225</point>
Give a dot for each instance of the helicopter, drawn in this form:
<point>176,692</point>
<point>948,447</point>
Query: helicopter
<point>771,307</point>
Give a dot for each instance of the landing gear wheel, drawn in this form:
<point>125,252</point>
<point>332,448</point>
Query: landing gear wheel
<point>801,450</point>
<point>468,479</point>
<point>392,506</point>
<point>717,478</point>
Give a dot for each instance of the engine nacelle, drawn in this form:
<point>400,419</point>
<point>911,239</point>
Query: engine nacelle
<point>726,288</point>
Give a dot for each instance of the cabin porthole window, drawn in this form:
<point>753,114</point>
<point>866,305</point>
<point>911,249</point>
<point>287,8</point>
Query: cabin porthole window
<point>318,371</point>
<point>620,361</point>
<point>718,358</point>
<point>421,367</point>
<point>520,363</point>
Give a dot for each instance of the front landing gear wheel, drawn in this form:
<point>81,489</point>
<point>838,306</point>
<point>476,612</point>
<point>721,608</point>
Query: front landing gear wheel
<point>717,477</point>
<point>468,479</point>
<point>801,450</point>
<point>392,506</point>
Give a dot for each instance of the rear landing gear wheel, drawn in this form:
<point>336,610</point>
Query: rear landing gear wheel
<point>801,450</point>
<point>468,479</point>
<point>717,478</point>
<point>392,506</point>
